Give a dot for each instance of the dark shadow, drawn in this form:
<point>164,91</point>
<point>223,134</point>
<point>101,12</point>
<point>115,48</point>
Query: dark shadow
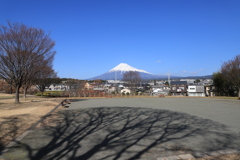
<point>10,128</point>
<point>124,133</point>
<point>77,100</point>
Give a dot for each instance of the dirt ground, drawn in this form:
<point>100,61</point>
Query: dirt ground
<point>17,118</point>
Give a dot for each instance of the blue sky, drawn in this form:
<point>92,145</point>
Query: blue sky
<point>183,37</point>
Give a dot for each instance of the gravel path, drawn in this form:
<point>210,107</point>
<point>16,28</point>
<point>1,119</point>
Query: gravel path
<point>135,128</point>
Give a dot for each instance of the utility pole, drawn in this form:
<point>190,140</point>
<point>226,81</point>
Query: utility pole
<point>169,82</point>
<point>115,77</point>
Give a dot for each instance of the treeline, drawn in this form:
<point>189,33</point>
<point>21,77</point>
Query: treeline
<point>227,80</point>
<point>73,86</point>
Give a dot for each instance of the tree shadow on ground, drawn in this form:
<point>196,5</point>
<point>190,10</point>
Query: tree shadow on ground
<point>122,133</point>
<point>77,100</point>
<point>10,128</point>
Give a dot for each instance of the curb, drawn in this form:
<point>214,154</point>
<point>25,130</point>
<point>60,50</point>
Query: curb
<point>199,155</point>
<point>24,134</point>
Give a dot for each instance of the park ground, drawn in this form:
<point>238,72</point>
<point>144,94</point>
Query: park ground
<point>17,118</point>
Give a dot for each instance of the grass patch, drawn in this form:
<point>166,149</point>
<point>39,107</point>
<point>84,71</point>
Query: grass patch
<point>21,155</point>
<point>6,95</point>
<point>51,93</point>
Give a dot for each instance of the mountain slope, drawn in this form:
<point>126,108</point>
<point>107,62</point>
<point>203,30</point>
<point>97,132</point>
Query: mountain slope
<point>123,67</point>
<point>117,73</point>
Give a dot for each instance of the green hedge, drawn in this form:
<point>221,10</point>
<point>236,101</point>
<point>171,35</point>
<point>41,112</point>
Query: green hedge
<point>50,93</point>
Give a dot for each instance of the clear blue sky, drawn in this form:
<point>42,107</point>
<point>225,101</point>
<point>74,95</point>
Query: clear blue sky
<point>184,37</point>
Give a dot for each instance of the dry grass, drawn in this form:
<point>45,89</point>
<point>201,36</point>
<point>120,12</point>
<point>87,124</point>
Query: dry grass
<point>6,95</point>
<point>17,118</point>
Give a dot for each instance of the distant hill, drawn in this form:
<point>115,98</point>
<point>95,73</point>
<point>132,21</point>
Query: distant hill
<point>117,74</point>
<point>118,71</point>
<point>196,77</point>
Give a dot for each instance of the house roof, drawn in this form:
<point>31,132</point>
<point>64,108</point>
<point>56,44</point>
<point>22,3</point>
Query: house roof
<point>195,85</point>
<point>159,86</point>
<point>178,82</point>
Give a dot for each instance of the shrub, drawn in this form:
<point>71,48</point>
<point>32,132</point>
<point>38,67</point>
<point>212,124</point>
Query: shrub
<point>51,93</point>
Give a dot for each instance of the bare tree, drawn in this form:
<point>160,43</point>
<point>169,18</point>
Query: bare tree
<point>98,88</point>
<point>72,84</point>
<point>45,78</point>
<point>231,73</point>
<point>81,87</point>
<point>24,51</point>
<point>42,75</point>
<point>132,78</point>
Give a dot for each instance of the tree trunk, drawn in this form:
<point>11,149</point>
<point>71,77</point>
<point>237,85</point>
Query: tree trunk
<point>17,95</point>
<point>239,93</point>
<point>25,92</point>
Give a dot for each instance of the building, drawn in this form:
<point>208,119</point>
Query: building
<point>125,91</point>
<point>88,86</point>
<point>211,91</point>
<point>189,81</point>
<point>58,87</point>
<point>196,91</point>
<point>178,88</point>
<point>160,90</point>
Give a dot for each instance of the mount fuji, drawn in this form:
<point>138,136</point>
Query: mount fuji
<point>117,73</point>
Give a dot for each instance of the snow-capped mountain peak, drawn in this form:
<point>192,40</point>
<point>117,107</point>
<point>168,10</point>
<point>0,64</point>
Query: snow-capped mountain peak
<point>123,67</point>
<point>118,71</point>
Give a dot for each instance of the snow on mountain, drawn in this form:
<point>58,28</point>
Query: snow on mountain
<point>123,67</point>
<point>117,73</point>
